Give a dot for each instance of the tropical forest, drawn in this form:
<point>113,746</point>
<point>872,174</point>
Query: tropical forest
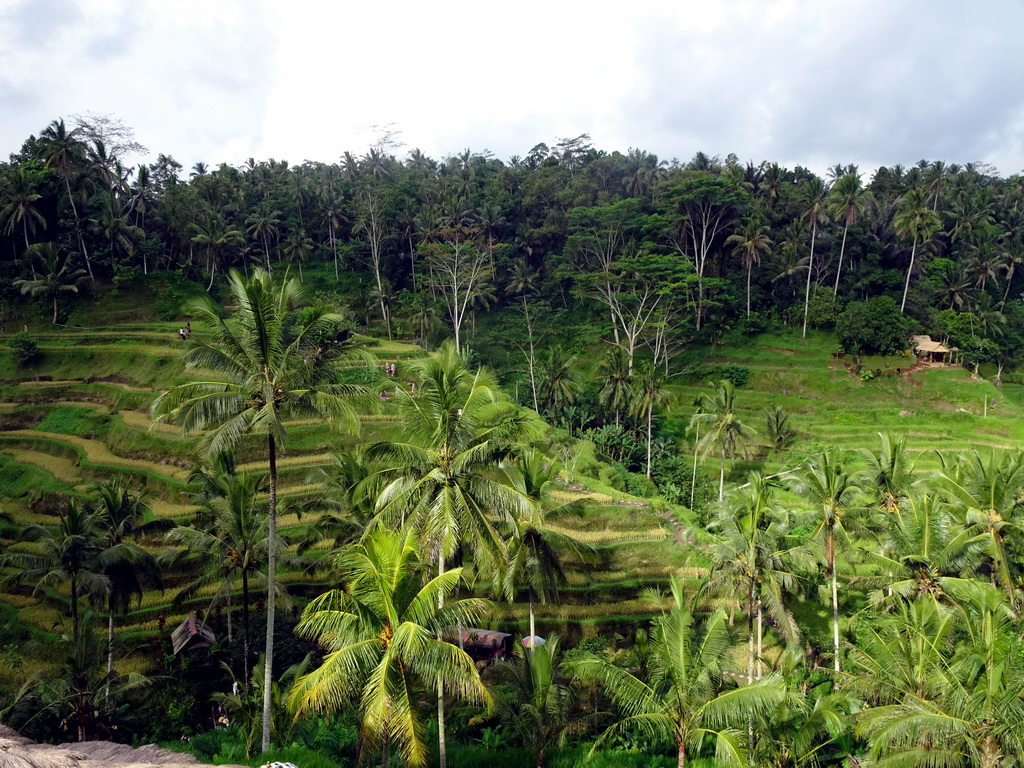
<point>577,458</point>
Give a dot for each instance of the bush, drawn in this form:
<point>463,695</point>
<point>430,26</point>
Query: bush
<point>873,327</point>
<point>737,374</point>
<point>24,348</point>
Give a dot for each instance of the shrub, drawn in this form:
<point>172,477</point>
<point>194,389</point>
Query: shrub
<point>873,327</point>
<point>24,348</point>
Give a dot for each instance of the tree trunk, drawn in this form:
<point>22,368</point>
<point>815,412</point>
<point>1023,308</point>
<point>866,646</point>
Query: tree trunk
<point>74,608</point>
<point>78,228</point>
<point>110,652</point>
<point>839,269</point>
<point>910,268</point>
<point>831,551</point>
<point>650,413</point>
<point>268,662</point>
<point>721,477</point>
<point>760,638</point>
<point>55,309</point>
<point>750,268</point>
<point>693,482</point>
<point>245,629</point>
<point>750,633</point>
<point>442,745</point>
<point>810,269</point>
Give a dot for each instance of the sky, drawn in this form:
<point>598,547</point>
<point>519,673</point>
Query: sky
<point>798,82</point>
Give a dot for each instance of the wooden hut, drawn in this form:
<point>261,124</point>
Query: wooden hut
<point>929,351</point>
<point>190,635</point>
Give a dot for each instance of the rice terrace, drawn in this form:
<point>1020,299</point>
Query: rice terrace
<point>582,458</point>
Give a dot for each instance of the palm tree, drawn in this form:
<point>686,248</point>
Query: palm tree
<point>384,637</point>
<point>558,382</point>
<point>264,226</point>
<point>915,220</point>
<point>275,363</point>
<point>754,551</point>
<point>127,567</point>
<point>685,697</point>
<point>297,248</point>
<point>535,549</point>
<point>55,275</point>
<point>985,492</point>
<point>722,428</point>
<point>847,202</point>
<point>455,432</point>
<point>815,197</point>
<point>751,242</point>
<point>63,152</point>
<point>220,241</point>
<point>827,485</point>
<point>17,204</point>
<point>72,553</point>
<point>647,393</point>
<point>534,698</point>
<point>234,542</point>
<point>113,224</point>
<point>613,371</point>
<point>890,472</point>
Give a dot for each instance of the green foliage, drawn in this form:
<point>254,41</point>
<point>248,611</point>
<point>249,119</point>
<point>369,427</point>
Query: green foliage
<point>24,348</point>
<point>871,327</point>
<point>66,420</point>
<point>739,375</point>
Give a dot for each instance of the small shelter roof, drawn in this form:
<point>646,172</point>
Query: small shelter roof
<point>191,634</point>
<point>931,346</point>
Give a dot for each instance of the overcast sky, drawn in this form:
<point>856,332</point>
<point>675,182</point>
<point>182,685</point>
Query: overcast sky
<point>809,82</point>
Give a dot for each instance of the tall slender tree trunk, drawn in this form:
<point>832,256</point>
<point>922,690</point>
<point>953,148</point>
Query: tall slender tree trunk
<point>78,228</point>
<point>693,481</point>
<point>750,268</point>
<point>650,410</point>
<point>831,551</point>
<point>760,638</point>
<point>721,477</point>
<point>810,269</point>
<point>74,608</point>
<point>910,268</point>
<point>750,633</point>
<point>110,652</point>
<point>268,663</point>
<point>442,745</point>
<point>245,629</point>
<point>839,269</point>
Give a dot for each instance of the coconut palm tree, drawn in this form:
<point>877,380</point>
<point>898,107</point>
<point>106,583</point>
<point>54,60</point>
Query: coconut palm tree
<point>754,550</point>
<point>751,241</point>
<point>686,697</point>
<point>65,153</point>
<point>648,392</point>
<point>275,363</point>
<point>232,542</point>
<point>55,275</point>
<point>384,637</point>
<point>847,202</point>
<point>536,548</point>
<point>914,220</point>
<point>534,698</point>
<point>442,468</point>
<point>721,428</point>
<point>297,248</point>
<point>71,553</point>
<point>815,199</point>
<point>613,371</point>
<point>17,204</point>
<point>984,491</point>
<point>833,490</point>
<point>125,518</point>
<point>221,241</point>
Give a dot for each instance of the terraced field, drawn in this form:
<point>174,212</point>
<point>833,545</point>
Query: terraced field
<point>82,415</point>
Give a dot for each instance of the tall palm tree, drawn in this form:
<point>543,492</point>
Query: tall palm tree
<point>297,248</point>
<point>65,153</point>
<point>535,698</point>
<point>833,490</point>
<point>914,220</point>
<point>275,362</point>
<point>558,381</point>
<point>125,518</point>
<point>536,548</point>
<point>686,697</point>
<point>847,202</point>
<point>232,541</point>
<point>716,419</point>
<point>17,204</point>
<point>55,275</point>
<point>985,492</point>
<point>647,392</point>
<point>890,471</point>
<point>455,431</point>
<point>71,553</point>
<point>264,227</point>
<point>754,551</point>
<point>613,372</point>
<point>815,200</point>
<point>384,637</point>
<point>751,241</point>
<point>220,240</point>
